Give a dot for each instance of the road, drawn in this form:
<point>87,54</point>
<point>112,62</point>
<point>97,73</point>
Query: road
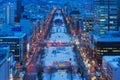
<point>54,51</point>
<point>31,69</point>
<point>59,60</point>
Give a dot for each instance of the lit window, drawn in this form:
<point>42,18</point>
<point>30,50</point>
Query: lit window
<point>13,50</point>
<point>1,40</point>
<point>101,51</point>
<point>102,14</point>
<point>102,32</point>
<point>113,17</point>
<point>116,51</point>
<point>105,50</point>
<point>17,55</point>
<point>111,22</point>
<point>102,19</point>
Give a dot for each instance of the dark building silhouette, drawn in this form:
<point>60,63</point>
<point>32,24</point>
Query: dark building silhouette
<point>19,10</point>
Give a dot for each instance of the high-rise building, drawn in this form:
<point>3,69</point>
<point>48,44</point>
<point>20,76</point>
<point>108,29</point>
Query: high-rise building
<point>1,15</point>
<point>106,46</point>
<point>119,13</point>
<point>5,30</point>
<point>9,13</point>
<point>111,67</point>
<point>4,63</point>
<point>75,15</point>
<point>18,43</point>
<point>19,7</point>
<point>107,14</point>
<point>87,21</point>
<point>29,31</point>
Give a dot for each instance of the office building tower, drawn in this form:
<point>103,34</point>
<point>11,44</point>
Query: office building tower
<point>107,13</point>
<point>119,13</point>
<point>87,21</point>
<point>18,43</point>
<point>1,15</point>
<point>29,31</point>
<point>106,46</point>
<point>75,15</point>
<point>9,13</point>
<point>4,63</point>
<point>111,67</point>
<point>19,7</point>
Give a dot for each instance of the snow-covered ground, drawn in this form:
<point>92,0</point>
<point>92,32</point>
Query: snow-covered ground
<point>54,54</point>
<point>46,76</point>
<point>76,76</point>
<point>60,37</point>
<point>61,75</point>
<point>59,57</point>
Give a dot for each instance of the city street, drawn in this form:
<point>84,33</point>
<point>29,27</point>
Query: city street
<point>35,61</point>
<point>59,39</point>
<point>55,54</point>
<point>59,59</point>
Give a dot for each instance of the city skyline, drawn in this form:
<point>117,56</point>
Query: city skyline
<point>59,40</point>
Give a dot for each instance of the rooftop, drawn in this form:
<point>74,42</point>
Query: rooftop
<point>5,30</point>
<point>4,50</point>
<point>111,58</point>
<point>114,64</point>
<point>16,35</point>
<point>106,38</point>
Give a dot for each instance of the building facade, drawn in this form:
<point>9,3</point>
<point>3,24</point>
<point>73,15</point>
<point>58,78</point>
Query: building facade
<point>107,13</point>
<point>111,67</point>
<point>4,64</point>
<point>106,46</point>
<point>17,44</point>
<point>19,7</point>
<point>9,12</point>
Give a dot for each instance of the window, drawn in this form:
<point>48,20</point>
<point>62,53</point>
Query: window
<point>111,22</point>
<point>115,50</point>
<point>102,20</point>
<point>113,17</point>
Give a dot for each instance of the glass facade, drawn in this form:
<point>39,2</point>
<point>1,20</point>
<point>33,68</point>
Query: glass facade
<point>17,46</point>
<point>106,48</point>
<point>107,15</point>
<point>14,46</point>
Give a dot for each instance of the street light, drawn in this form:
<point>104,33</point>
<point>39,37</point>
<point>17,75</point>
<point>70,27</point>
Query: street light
<point>28,49</point>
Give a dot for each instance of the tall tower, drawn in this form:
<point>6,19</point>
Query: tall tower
<point>107,15</point>
<point>9,13</point>
<point>19,7</point>
<point>119,13</point>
